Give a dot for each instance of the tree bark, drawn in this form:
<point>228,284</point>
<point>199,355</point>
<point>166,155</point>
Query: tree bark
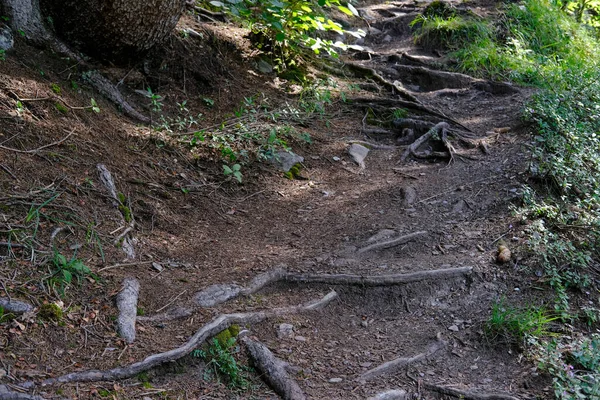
<point>113,30</point>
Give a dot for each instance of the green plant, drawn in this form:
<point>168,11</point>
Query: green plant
<point>51,312</point>
<point>155,100</point>
<point>208,101</point>
<point>514,325</point>
<point>234,170</point>
<point>55,88</point>
<point>283,28</point>
<point>20,108</point>
<point>219,357</point>
<point>94,106</point>
<point>4,316</point>
<point>60,108</point>
<point>573,363</point>
<point>2,55</point>
<point>64,271</point>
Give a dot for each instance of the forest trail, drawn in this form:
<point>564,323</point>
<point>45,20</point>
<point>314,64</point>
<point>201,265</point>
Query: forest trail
<point>436,222</point>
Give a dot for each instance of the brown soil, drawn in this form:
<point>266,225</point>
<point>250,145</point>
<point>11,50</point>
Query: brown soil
<point>204,229</point>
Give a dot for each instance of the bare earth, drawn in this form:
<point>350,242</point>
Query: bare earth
<point>215,231</point>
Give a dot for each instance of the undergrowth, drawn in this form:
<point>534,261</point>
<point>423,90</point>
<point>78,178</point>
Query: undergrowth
<point>552,45</point>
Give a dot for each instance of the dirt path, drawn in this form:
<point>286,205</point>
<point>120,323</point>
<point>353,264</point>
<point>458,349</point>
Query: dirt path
<point>219,235</point>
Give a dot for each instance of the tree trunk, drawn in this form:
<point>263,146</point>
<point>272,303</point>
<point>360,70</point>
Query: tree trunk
<point>112,30</point>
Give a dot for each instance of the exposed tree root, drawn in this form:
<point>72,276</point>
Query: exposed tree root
<point>169,315</point>
<point>440,132</point>
<point>371,73</point>
<point>374,146</point>
<point>7,394</point>
<point>207,331</point>
<point>392,243</point>
<point>375,102</point>
<point>217,294</point>
<point>124,239</point>
<point>127,301</point>
<point>273,371</point>
<point>14,306</point>
<point>470,395</point>
<point>390,395</point>
<point>393,366</point>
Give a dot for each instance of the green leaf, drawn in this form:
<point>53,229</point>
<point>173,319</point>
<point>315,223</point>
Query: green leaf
<point>238,175</point>
<point>217,4</point>
<point>354,10</point>
<point>345,10</point>
<point>60,260</point>
<point>227,170</point>
<point>236,167</point>
<point>67,276</point>
<point>280,37</point>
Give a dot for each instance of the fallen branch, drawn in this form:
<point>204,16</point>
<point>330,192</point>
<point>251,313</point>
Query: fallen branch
<point>127,301</point>
<point>33,151</point>
<point>393,366</point>
<point>391,243</point>
<point>207,331</point>
<point>217,294</point>
<point>14,306</point>
<point>273,370</point>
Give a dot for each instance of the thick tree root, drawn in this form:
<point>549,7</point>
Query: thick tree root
<point>14,306</point>
<point>392,243</point>
<point>7,394</point>
<point>371,73</point>
<point>207,331</point>
<point>217,294</point>
<point>393,366</point>
<point>127,301</point>
<point>470,395</point>
<point>273,371</point>
<point>376,102</point>
<point>390,395</point>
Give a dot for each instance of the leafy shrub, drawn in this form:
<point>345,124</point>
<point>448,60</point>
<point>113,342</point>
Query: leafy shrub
<point>573,363</point>
<point>284,28</point>
<point>219,357</point>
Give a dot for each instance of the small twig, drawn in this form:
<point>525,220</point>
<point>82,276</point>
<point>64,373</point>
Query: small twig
<point>39,148</point>
<point>171,302</point>
<point>125,265</point>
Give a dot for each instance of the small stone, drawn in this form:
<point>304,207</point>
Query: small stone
<point>474,367</point>
<point>285,160</point>
<point>387,39</point>
<point>335,380</point>
<point>285,330</point>
<point>453,328</point>
<point>336,158</point>
<point>358,153</point>
<point>366,364</point>
<point>300,338</point>
<point>157,266</point>
<point>264,67</point>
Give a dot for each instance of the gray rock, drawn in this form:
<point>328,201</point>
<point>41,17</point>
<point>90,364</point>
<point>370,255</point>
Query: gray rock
<point>453,328</point>
<point>300,338</point>
<point>335,380</point>
<point>157,266</point>
<point>285,160</point>
<point>409,195</point>
<point>285,330</point>
<point>264,67</point>
<point>6,38</point>
<point>374,31</point>
<point>217,294</point>
<point>387,39</point>
<point>358,153</point>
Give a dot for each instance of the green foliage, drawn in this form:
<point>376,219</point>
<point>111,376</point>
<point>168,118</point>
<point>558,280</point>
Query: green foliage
<point>573,363</point>
<point>94,106</point>
<point>514,325</point>
<point>5,317</point>
<point>155,100</point>
<point>283,28</point>
<point>65,270</point>
<point>234,170</point>
<point>2,55</point>
<point>60,108</point>
<point>219,356</point>
<point>55,88</point>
